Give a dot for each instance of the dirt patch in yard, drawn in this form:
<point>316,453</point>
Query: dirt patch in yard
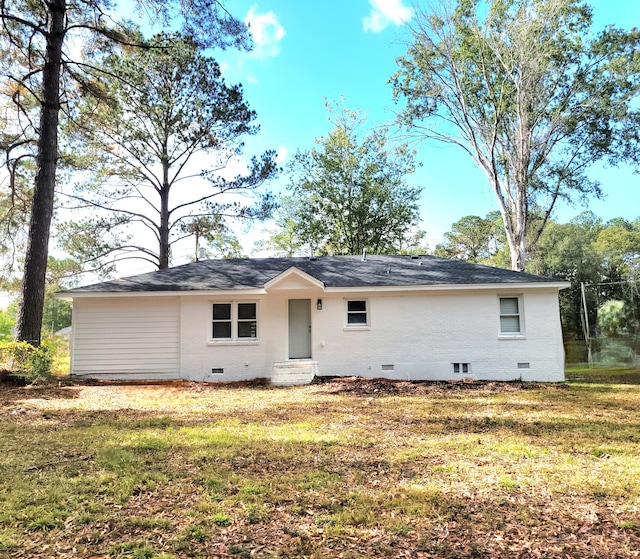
<point>11,392</point>
<point>180,399</point>
<point>385,387</point>
<point>72,389</point>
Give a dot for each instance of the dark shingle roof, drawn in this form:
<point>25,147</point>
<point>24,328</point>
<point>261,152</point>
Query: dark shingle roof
<point>333,271</point>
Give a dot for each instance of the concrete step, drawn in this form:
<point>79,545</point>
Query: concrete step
<point>294,372</point>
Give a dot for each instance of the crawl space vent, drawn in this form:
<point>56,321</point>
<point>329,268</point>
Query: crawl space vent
<point>388,367</point>
<point>217,371</point>
<point>523,365</point>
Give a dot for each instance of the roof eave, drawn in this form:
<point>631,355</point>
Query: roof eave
<point>502,286</point>
<point>174,293</point>
<point>513,286</point>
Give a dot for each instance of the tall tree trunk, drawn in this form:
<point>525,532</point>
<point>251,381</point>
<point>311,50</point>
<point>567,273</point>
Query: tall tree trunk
<point>163,233</point>
<point>514,227</point>
<point>514,218</point>
<point>29,324</point>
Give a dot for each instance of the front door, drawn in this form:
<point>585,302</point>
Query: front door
<point>299,328</point>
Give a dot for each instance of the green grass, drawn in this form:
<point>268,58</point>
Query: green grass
<point>603,375</point>
<point>318,471</point>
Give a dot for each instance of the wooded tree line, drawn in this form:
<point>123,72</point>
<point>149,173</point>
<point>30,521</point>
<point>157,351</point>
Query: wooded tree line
<point>107,124</point>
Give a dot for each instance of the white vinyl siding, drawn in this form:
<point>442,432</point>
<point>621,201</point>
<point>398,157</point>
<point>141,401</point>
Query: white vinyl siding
<point>120,338</point>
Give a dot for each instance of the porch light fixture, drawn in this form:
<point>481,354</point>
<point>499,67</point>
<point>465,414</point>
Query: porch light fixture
<point>319,304</point>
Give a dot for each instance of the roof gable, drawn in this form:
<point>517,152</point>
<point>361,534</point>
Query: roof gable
<point>293,279</point>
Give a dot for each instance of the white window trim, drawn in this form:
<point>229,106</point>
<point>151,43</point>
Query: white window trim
<point>356,327</point>
<point>512,335</point>
<point>234,339</point>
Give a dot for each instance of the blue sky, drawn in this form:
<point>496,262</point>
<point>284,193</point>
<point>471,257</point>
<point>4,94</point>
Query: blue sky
<point>309,50</point>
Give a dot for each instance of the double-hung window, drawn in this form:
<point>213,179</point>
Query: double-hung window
<point>510,316</point>
<point>247,320</point>
<point>222,321</point>
<point>357,313</point>
<point>234,321</point>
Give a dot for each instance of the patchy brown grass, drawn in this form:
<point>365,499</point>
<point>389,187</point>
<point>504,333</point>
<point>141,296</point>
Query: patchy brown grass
<point>348,468</point>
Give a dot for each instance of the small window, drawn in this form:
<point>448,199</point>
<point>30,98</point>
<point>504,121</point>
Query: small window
<point>510,316</point>
<point>357,313</point>
<point>461,368</point>
<point>234,321</point>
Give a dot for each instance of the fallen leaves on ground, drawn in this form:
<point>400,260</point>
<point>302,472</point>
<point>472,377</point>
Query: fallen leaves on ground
<point>345,468</point>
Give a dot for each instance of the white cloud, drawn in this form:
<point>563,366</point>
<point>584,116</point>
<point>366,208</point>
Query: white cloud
<point>281,155</point>
<point>384,13</point>
<point>235,166</point>
<point>224,66</point>
<point>266,32</point>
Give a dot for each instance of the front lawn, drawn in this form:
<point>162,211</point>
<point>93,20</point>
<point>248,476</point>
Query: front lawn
<point>349,468</point>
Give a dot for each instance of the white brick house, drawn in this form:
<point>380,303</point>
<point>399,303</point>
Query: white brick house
<point>286,319</point>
